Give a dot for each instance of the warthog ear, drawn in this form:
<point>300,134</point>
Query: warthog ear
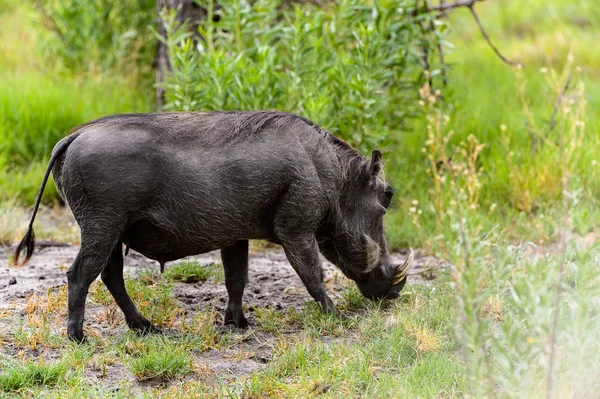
<point>402,269</point>
<point>373,166</point>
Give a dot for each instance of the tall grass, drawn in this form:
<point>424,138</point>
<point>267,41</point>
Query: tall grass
<point>37,110</point>
<point>487,102</point>
<point>518,309</point>
<point>99,35</point>
<point>39,105</point>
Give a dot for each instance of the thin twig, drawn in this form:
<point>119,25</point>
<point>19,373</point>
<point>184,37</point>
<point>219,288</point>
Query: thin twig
<point>439,49</point>
<point>440,266</point>
<point>442,63</point>
<point>488,40</point>
<point>534,139</point>
<point>470,4</point>
<point>448,6</point>
<point>443,12</point>
<point>558,101</point>
<point>426,66</point>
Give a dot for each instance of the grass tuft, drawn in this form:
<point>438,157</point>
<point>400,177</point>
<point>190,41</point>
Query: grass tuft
<point>188,271</point>
<point>31,375</point>
<point>160,366</point>
<point>13,222</point>
<point>269,320</point>
<point>157,359</point>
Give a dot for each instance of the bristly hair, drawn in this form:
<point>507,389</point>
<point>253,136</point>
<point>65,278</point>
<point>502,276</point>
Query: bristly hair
<point>350,159</point>
<point>248,123</point>
<point>252,122</point>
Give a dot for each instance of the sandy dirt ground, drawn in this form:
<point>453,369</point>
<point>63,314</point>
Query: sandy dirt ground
<point>272,283</point>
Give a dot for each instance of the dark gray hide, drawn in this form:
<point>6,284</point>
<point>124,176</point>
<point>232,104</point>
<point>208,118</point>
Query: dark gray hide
<point>178,184</point>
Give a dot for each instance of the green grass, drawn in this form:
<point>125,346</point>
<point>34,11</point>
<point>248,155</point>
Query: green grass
<point>401,348</point>
<point>155,302</point>
<point>39,105</point>
<point>31,375</point>
<point>404,351</point>
<point>157,359</point>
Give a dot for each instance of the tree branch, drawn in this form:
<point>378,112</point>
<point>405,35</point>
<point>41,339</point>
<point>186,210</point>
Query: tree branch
<point>439,47</point>
<point>426,65</point>
<point>488,40</point>
<point>443,6</point>
<point>470,4</point>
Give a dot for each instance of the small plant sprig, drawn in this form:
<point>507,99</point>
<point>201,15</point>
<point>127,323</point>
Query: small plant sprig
<point>454,169</point>
<point>455,193</point>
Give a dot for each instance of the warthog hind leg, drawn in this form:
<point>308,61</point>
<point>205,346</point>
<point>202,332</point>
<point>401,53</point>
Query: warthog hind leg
<point>235,264</point>
<point>112,276</point>
<point>90,261</point>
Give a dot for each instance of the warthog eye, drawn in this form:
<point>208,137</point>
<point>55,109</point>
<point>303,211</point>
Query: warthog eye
<point>388,193</point>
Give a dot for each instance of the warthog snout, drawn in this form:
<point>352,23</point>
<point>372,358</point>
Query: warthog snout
<point>385,282</point>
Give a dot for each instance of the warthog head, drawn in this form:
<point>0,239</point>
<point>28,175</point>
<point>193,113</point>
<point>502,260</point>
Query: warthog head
<point>356,243</point>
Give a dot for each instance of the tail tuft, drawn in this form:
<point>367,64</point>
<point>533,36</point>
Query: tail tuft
<point>27,244</point>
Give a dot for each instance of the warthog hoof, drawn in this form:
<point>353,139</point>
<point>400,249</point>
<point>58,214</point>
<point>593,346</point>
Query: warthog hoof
<point>75,334</point>
<point>150,329</point>
<point>77,337</point>
<point>143,327</point>
<point>236,318</point>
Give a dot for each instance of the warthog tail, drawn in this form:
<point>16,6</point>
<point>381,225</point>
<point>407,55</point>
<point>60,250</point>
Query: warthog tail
<point>28,242</point>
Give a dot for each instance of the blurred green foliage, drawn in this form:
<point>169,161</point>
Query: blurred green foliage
<point>100,35</point>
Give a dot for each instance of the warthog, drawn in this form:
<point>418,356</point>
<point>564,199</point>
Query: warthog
<point>171,185</point>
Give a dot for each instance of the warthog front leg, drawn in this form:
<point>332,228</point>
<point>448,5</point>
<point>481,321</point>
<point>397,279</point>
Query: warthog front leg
<point>303,254</point>
<point>112,276</point>
<point>235,264</point>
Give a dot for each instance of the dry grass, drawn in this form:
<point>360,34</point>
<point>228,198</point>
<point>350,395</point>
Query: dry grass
<point>426,340</point>
<point>13,222</point>
<point>492,308</point>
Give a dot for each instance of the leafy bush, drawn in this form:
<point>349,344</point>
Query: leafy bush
<point>353,67</point>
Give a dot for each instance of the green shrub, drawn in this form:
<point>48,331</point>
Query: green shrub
<point>353,67</point>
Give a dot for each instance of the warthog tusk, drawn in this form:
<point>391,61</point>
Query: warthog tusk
<point>403,268</point>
